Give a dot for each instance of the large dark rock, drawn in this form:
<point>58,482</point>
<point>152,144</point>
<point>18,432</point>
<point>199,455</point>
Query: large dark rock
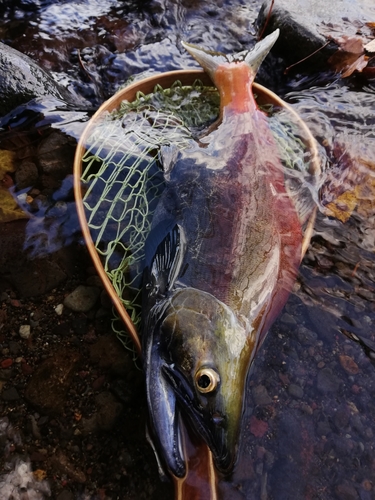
<point>306,26</point>
<point>22,80</point>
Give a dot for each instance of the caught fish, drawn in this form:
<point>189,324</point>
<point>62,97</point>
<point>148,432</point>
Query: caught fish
<point>221,258</point>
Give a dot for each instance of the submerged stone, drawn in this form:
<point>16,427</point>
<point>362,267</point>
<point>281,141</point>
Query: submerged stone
<point>82,299</point>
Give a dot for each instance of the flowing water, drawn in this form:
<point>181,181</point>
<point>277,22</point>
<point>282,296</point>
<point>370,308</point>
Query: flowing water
<point>308,429</point>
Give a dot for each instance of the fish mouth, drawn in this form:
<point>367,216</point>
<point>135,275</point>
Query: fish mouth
<point>211,427</point>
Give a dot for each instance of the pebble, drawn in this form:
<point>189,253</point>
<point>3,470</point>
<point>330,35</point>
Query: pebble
<point>10,394</point>
<point>306,336</point>
<point>64,465</point>
<point>346,491</point>
<point>6,363</point>
<point>82,299</point>
<point>349,365</point>
<point>327,381</point>
<point>261,396</point>
<point>295,391</point>
<point>25,331</point>
<point>59,309</point>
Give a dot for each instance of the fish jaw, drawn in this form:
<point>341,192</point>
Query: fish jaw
<point>197,337</point>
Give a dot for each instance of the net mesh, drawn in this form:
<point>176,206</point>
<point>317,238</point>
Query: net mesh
<point>122,179</point>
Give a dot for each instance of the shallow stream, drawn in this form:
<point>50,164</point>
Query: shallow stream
<point>309,426</point>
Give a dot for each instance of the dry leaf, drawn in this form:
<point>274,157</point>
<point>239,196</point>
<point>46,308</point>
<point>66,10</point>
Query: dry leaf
<point>7,162</point>
<point>350,57</point>
<point>370,47</point>
<point>343,207</point>
<point>9,210</point>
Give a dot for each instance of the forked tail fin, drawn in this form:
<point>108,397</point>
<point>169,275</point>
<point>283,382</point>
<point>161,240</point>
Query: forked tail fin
<point>254,57</point>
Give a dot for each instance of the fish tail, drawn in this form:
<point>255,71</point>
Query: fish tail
<point>211,61</point>
<point>233,75</point>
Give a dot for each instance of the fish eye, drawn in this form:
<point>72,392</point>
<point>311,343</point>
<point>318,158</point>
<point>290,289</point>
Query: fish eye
<point>206,380</point>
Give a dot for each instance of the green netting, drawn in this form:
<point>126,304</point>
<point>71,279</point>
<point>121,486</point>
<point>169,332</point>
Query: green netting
<point>123,180</point>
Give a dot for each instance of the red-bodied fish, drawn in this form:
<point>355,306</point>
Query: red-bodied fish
<point>221,259</point>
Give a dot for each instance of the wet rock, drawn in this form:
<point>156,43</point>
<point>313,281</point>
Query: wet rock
<point>346,491</point>
<point>25,331</point>
<point>323,428</point>
<point>22,80</point>
<point>82,299</point>
<point>10,394</point>
<point>349,365</point>
<point>62,463</point>
<point>109,353</point>
<point>288,319</point>
<point>26,175</point>
<point>42,275</point>
<point>306,27</point>
<point>108,410</point>
<point>327,381</point>
<point>342,417</point>
<point>56,154</point>
<point>34,277</point>
<point>104,419</point>
<point>50,382</point>
<point>261,396</point>
<point>306,336</point>
<point>295,391</point>
<point>258,427</point>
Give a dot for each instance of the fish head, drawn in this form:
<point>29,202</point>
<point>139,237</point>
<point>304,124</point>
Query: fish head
<point>198,356</point>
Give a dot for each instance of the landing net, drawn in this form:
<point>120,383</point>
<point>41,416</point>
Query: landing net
<point>122,177</point>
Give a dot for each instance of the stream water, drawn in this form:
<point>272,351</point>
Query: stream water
<point>309,427</point>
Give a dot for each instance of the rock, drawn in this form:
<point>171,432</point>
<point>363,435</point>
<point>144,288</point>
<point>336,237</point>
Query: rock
<point>56,155</point>
<point>109,409</point>
<point>342,417</point>
<point>82,299</point>
<point>306,26</point>
<point>26,175</point>
<point>288,319</point>
<point>108,412</point>
<point>349,365</point>
<point>295,391</point>
<point>327,381</point>
<point>50,382</point>
<point>346,491</point>
<point>109,353</point>
<point>25,331</point>
<point>261,396</point>
<point>59,309</point>
<point>258,427</point>
<point>10,394</point>
<point>22,80</point>
<point>306,336</point>
<point>63,464</point>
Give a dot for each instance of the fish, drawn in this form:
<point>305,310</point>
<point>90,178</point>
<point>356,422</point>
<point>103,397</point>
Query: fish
<point>220,261</point>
